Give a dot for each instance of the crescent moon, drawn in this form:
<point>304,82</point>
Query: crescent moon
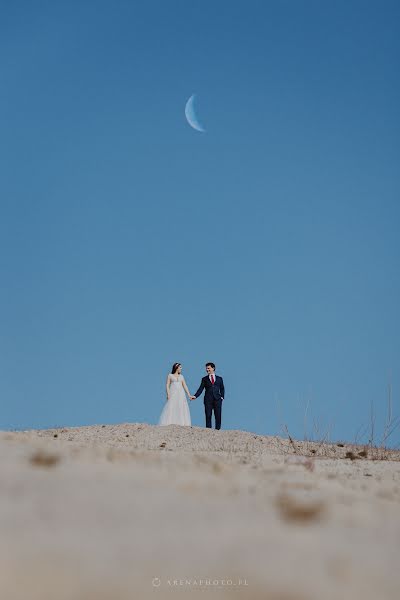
<point>190,115</point>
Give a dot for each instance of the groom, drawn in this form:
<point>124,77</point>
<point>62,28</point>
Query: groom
<point>215,392</point>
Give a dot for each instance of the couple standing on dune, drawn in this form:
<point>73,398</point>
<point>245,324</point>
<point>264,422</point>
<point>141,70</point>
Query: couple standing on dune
<point>176,409</point>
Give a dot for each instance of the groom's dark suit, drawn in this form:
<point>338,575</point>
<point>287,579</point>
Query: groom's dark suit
<point>214,394</point>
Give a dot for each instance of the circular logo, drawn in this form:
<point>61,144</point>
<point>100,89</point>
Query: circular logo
<point>156,582</point>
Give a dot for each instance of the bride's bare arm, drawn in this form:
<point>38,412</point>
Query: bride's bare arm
<point>168,383</point>
<point>185,387</point>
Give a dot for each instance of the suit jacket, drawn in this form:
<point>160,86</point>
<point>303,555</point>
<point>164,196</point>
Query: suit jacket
<point>216,391</point>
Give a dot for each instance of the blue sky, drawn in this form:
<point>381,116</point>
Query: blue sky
<point>268,244</point>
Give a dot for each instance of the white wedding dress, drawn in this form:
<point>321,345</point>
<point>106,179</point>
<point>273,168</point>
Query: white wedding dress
<point>176,409</point>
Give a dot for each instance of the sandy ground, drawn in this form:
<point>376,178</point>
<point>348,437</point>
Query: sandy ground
<point>140,511</point>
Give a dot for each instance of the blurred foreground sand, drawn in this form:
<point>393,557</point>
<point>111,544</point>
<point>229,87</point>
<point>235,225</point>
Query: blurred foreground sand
<point>141,511</point>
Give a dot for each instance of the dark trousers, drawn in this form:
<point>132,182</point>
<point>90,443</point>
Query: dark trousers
<point>216,406</point>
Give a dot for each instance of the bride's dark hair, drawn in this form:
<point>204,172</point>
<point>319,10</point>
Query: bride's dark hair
<point>174,367</point>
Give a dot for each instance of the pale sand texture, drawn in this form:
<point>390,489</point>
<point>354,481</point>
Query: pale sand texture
<point>93,514</point>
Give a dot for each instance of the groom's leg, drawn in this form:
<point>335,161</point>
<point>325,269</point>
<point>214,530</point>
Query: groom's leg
<point>217,413</point>
<point>208,411</point>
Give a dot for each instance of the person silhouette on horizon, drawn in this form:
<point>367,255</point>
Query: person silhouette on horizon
<point>214,394</point>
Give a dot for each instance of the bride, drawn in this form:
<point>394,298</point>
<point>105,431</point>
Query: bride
<point>176,409</point>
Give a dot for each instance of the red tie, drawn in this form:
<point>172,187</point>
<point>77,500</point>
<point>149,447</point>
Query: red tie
<point>212,379</point>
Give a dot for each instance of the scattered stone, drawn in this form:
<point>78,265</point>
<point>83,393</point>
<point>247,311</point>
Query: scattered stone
<point>295,508</point>
<point>350,454</point>
<point>305,461</point>
<point>41,458</point>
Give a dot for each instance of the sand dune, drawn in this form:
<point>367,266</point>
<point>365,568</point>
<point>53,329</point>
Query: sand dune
<point>141,511</point>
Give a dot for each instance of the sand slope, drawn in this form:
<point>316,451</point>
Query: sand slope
<point>141,511</point>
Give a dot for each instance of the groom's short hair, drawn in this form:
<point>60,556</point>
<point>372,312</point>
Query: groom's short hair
<point>210,365</point>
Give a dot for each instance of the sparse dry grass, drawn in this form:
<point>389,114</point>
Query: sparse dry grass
<point>319,444</point>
